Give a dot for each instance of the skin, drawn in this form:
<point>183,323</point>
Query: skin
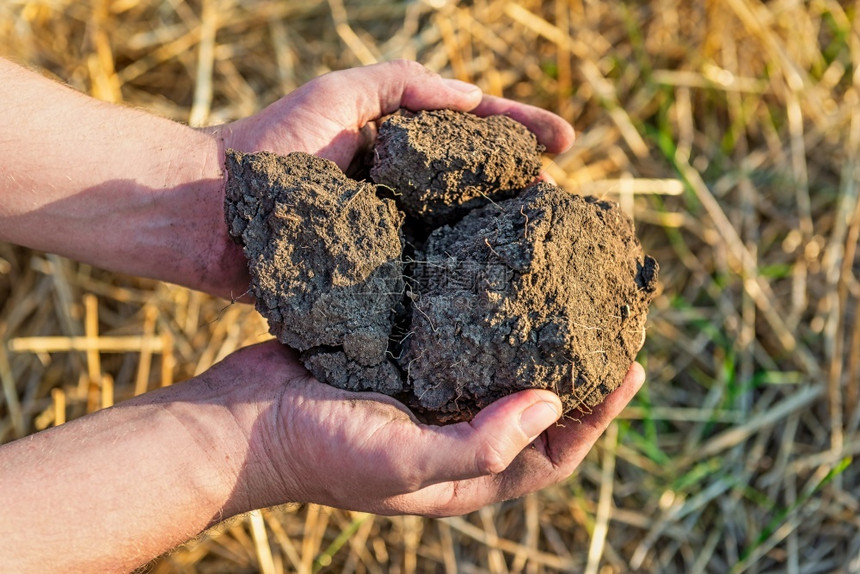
<point>114,489</point>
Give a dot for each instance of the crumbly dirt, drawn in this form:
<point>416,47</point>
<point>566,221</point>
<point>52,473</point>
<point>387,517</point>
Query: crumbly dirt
<point>547,290</point>
<point>441,164</point>
<point>324,257</point>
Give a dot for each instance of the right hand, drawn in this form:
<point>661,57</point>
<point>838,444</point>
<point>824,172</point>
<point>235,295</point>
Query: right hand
<point>308,442</point>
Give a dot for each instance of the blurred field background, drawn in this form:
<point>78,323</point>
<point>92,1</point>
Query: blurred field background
<point>729,129</point>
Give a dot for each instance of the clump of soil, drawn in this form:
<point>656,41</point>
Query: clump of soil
<point>324,256</point>
<point>546,290</point>
<point>542,290</point>
<point>443,163</point>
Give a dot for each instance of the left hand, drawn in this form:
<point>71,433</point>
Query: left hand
<point>334,116</point>
<point>111,490</point>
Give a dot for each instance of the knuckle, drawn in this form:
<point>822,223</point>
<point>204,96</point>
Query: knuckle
<point>407,68</point>
<point>450,503</point>
<point>406,64</point>
<point>491,459</point>
<point>324,83</point>
<point>408,478</point>
<point>411,482</point>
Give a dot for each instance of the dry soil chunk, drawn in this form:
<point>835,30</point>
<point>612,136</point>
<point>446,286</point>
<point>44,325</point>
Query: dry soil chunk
<point>443,163</point>
<point>324,256</point>
<point>547,290</point>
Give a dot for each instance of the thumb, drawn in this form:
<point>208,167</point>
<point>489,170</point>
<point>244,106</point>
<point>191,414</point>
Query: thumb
<point>491,441</point>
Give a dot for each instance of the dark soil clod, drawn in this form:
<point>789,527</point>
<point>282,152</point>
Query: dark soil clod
<point>506,305</point>
<point>544,289</point>
<point>443,164</point>
<point>324,256</point>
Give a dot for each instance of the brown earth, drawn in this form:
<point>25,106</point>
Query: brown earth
<point>441,164</point>
<point>546,290</point>
<point>324,256</point>
<point>543,290</point>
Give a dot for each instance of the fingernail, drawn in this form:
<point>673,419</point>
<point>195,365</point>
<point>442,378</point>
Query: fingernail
<point>544,176</point>
<point>535,419</point>
<point>464,87</point>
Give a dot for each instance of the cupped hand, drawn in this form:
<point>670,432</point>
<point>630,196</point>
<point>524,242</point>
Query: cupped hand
<point>333,116</point>
<point>308,442</point>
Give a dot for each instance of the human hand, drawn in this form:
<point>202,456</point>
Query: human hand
<point>334,116</point>
<point>308,442</point>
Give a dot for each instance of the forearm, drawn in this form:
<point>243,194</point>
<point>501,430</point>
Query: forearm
<point>111,186</point>
<point>113,490</point>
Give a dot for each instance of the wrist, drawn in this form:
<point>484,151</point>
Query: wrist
<point>199,431</point>
<point>144,196</point>
<point>122,485</point>
<point>213,262</point>
<point>233,409</point>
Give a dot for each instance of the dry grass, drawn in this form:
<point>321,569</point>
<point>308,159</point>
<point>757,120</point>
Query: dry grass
<point>729,129</point>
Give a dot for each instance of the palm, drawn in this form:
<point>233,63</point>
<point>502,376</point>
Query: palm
<point>365,451</point>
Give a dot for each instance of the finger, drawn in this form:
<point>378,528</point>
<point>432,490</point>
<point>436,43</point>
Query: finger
<point>564,446</point>
<point>544,176</point>
<point>382,89</point>
<point>555,456</point>
<point>489,443</point>
<point>552,131</point>
<point>533,469</point>
<point>592,425</point>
